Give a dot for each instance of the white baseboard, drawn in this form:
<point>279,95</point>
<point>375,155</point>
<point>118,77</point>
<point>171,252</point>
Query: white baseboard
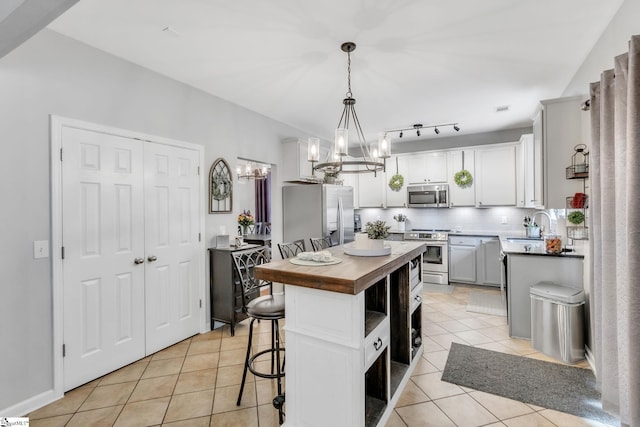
<point>20,409</point>
<point>592,361</point>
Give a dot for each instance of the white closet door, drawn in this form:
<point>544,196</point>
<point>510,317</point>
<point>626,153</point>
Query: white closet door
<point>103,234</point>
<point>172,244</point>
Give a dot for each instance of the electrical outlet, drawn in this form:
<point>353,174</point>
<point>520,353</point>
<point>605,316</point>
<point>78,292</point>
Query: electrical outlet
<point>41,249</point>
<point>504,220</point>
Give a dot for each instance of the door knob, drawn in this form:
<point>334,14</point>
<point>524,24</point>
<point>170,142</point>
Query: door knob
<point>152,258</point>
<point>138,260</point>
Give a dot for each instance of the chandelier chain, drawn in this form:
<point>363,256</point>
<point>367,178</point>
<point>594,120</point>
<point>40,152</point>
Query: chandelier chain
<point>349,93</point>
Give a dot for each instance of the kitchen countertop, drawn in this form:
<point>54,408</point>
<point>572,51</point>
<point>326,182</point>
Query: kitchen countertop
<point>536,247</point>
<point>351,276</point>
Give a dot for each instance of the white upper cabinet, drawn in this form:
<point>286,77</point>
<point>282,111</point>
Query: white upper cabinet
<point>496,176</point>
<point>529,172</point>
<point>428,167</point>
<point>560,126</point>
<point>416,166</point>
<point>396,199</point>
<point>294,164</point>
<point>456,161</point>
<point>371,190</point>
<point>351,180</point>
<point>437,166</point>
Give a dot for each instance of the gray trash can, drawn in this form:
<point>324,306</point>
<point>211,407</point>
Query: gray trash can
<point>557,321</point>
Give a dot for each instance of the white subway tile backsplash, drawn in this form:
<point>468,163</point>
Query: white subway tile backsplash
<point>454,219</point>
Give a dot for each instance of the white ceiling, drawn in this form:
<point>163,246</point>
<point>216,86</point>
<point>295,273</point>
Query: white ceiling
<point>417,61</point>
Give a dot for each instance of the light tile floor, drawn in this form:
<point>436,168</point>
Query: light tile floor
<point>195,382</point>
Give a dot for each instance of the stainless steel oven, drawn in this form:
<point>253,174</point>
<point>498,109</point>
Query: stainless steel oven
<point>435,259</point>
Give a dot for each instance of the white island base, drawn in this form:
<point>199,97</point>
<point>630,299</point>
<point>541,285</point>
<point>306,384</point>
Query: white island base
<point>350,355</point>
<point>328,356</point>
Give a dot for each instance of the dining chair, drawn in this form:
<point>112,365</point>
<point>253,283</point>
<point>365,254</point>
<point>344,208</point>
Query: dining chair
<point>319,243</point>
<point>267,307</point>
<point>257,228</point>
<point>266,228</point>
<point>291,249</point>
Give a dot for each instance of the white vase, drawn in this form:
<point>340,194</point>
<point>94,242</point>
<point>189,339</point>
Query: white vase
<point>401,225</point>
<point>375,244</point>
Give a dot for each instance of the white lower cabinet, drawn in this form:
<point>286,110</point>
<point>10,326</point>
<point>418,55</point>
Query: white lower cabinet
<point>474,260</point>
<point>491,271</point>
<point>350,356</point>
<point>462,259</point>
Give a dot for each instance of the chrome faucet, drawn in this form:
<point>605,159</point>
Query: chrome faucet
<point>533,218</point>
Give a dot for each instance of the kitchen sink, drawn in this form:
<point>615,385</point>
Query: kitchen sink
<point>525,241</point>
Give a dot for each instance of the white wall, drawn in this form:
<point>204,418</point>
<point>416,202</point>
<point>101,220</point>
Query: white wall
<point>52,74</point>
<point>614,41</point>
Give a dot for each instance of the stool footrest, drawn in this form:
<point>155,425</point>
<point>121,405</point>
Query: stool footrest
<point>262,374</point>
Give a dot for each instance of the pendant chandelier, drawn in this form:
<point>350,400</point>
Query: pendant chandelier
<point>251,171</point>
<point>373,159</point>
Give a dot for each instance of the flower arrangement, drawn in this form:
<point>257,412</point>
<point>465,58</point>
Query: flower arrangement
<point>400,217</point>
<point>245,219</point>
<point>377,230</point>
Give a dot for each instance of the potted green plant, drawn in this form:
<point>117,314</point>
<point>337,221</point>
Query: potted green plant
<point>377,231</point>
<point>332,177</point>
<point>400,221</point>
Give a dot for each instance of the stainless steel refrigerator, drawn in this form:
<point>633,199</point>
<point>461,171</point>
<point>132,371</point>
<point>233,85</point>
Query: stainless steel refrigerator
<point>316,210</point>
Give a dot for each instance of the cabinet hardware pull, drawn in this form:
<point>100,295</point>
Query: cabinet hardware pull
<point>377,344</point>
<point>152,258</point>
<point>138,260</point>
<point>418,298</point>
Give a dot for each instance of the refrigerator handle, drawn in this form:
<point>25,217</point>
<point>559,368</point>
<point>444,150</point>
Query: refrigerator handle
<point>340,222</point>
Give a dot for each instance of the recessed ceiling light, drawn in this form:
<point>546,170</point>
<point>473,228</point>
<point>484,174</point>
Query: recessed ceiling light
<point>501,108</point>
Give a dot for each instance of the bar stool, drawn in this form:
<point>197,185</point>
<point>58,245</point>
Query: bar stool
<point>266,307</point>
<point>319,243</point>
<point>291,249</point>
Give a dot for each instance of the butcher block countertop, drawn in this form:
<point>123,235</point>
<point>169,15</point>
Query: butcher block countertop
<point>351,276</point>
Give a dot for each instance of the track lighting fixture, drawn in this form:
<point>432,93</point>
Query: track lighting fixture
<point>419,126</point>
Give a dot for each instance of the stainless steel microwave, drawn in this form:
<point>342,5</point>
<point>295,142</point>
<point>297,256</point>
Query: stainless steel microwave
<point>428,196</point>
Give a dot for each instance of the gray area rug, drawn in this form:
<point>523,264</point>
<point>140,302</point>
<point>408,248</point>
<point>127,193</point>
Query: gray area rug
<point>441,289</point>
<point>550,385</point>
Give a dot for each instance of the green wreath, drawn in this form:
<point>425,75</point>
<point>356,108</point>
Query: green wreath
<point>220,186</point>
<point>463,178</point>
<point>396,182</point>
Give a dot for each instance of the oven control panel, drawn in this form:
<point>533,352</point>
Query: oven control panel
<point>425,235</point>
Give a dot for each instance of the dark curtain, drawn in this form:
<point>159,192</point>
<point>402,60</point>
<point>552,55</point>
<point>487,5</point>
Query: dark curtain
<point>263,199</point>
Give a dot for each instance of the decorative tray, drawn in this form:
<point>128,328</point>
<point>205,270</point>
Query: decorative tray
<point>310,262</point>
<point>350,249</point>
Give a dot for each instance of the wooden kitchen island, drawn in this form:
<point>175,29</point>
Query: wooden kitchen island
<point>352,334</point>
